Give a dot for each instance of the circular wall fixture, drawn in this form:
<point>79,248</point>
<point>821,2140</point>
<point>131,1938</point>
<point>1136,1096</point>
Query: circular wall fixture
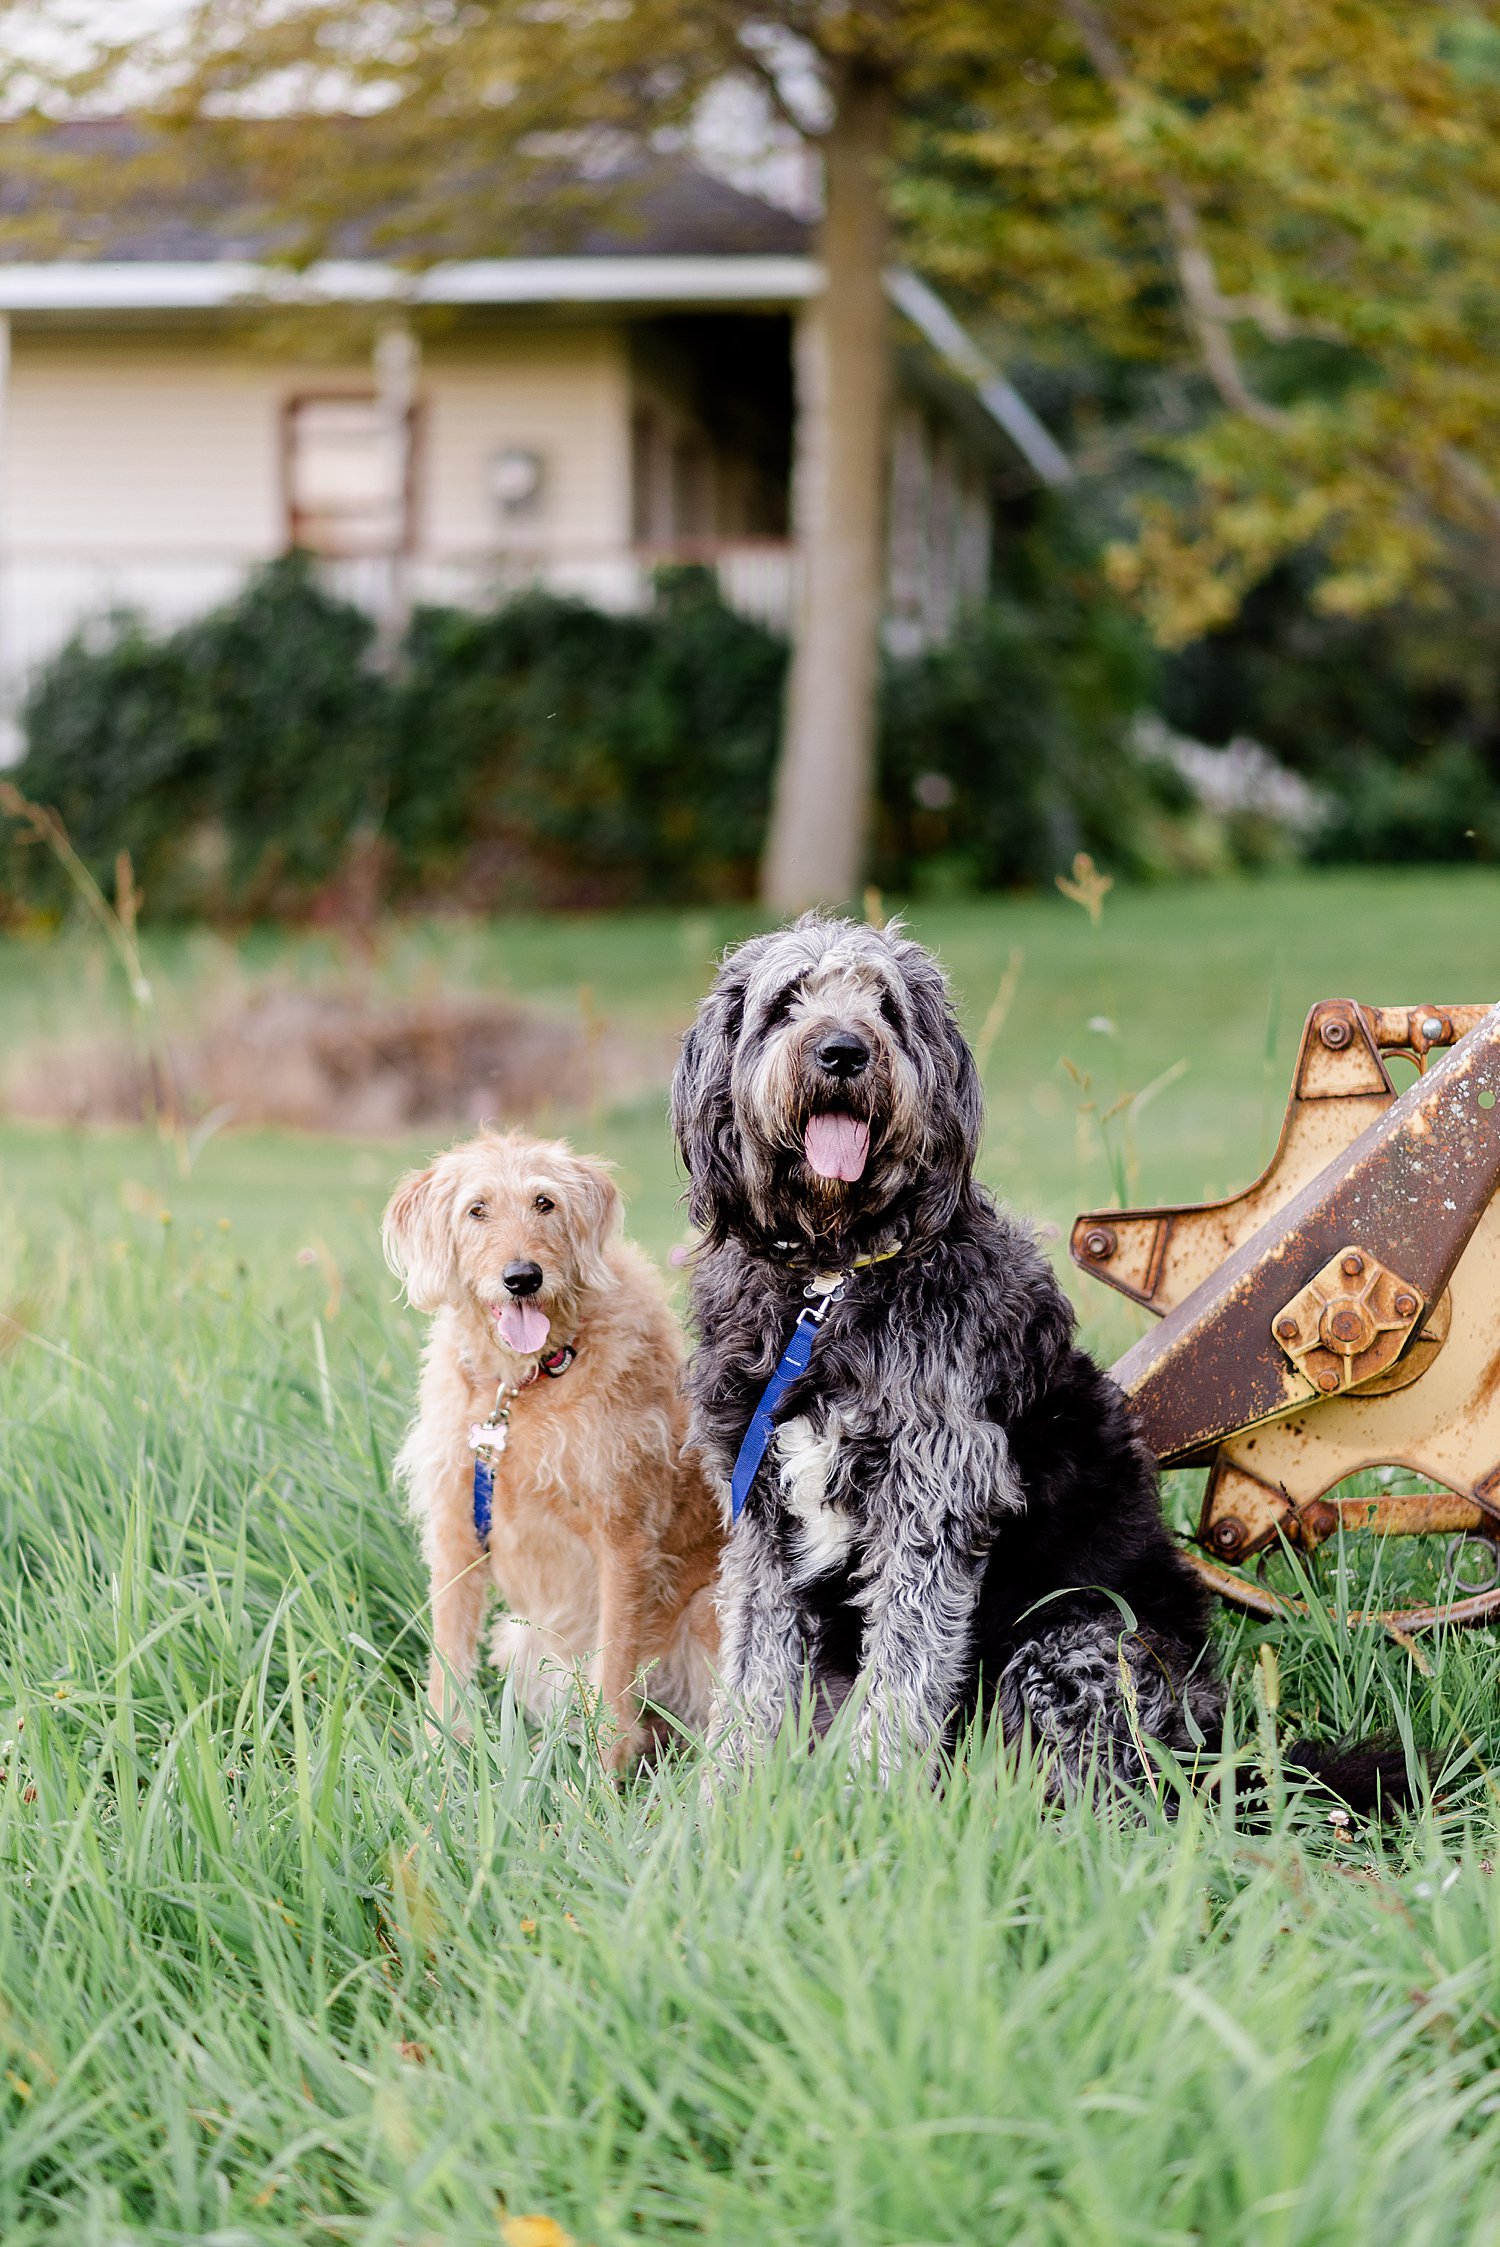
<point>516,477</point>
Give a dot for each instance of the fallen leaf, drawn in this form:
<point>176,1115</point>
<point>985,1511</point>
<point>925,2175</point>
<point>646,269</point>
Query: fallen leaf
<point>534,2231</point>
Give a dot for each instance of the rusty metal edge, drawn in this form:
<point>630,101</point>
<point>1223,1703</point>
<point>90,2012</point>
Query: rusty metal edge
<point>1269,1606</point>
<point>1169,1212</point>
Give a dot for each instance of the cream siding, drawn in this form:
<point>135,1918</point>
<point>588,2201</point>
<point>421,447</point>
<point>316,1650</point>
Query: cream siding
<point>563,394</point>
<point>148,471</point>
<point>141,449</point>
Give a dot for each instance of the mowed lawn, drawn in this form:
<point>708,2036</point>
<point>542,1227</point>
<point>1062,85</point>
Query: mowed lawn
<point>268,1971</point>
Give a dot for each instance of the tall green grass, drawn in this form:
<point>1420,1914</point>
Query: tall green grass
<point>271,1971</point>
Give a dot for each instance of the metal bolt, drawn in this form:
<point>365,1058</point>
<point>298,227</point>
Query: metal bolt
<point>1406,1306</point>
<point>1099,1244</point>
<point>1228,1534</point>
<point>1432,1027</point>
<point>1346,1326</point>
<point>1288,1329</point>
<point>1352,1266</point>
<point>1328,1382</point>
<point>1336,1034</point>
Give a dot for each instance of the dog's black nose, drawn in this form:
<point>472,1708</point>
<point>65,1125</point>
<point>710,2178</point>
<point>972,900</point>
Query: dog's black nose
<point>522,1279</point>
<point>843,1053</point>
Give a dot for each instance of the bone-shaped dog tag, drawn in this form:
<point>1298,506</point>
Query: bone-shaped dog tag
<point>485,1436</point>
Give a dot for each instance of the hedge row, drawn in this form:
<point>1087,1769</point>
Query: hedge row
<point>546,753</point>
<point>258,761</point>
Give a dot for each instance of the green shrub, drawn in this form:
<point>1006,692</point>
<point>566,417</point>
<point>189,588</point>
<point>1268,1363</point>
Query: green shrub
<point>560,755</point>
<point>233,758</point>
<point>108,747</point>
<point>1395,717</point>
<point>1003,752</point>
<point>1443,806</point>
<point>293,730</point>
<point>548,753</point>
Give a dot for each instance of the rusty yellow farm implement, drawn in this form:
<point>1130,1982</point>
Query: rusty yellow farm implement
<point>1342,1314</point>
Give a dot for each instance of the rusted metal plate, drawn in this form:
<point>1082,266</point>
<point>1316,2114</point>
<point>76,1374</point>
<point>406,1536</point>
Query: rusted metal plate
<point>1410,1190</point>
<point>1350,1323</point>
<point>1444,1426</point>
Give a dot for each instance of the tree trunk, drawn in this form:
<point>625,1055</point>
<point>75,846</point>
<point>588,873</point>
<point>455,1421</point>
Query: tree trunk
<point>820,813</point>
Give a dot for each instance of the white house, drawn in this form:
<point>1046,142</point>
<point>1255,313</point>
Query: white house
<point>173,414</point>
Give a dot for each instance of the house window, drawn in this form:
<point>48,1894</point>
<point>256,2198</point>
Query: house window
<point>348,476</point>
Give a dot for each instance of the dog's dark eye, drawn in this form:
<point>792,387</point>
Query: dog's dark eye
<point>543,1204</point>
<point>781,1006</point>
<point>479,1212</point>
<point>890,1010</point>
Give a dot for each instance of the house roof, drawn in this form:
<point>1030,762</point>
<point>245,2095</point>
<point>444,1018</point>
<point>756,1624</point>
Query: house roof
<point>200,285</point>
<point>659,231</point>
<point>669,234</point>
<point>159,211</point>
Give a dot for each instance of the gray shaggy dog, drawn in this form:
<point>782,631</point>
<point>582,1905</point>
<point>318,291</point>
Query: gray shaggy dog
<point>953,1509</point>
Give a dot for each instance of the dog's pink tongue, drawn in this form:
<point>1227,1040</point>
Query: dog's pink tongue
<point>522,1326</point>
<point>837,1146</point>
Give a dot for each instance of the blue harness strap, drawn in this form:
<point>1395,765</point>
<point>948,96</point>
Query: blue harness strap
<point>484,1498</point>
<point>793,1361</point>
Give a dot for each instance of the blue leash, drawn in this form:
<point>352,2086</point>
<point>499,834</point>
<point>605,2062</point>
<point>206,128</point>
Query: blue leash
<point>793,1360</point>
<point>484,1498</point>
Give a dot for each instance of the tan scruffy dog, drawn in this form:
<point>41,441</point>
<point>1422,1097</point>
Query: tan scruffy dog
<point>555,1360</point>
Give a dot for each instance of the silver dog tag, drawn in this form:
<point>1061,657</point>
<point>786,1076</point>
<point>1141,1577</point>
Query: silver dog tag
<point>484,1435</point>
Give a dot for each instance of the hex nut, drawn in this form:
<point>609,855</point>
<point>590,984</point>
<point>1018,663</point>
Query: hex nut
<point>1336,1034</point>
<point>1288,1329</point>
<point>1352,1266</point>
<point>1099,1244</point>
<point>1406,1306</point>
<point>1228,1534</point>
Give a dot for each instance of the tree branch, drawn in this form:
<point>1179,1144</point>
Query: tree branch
<point>770,85</point>
<point>1210,314</point>
<point>1465,472</point>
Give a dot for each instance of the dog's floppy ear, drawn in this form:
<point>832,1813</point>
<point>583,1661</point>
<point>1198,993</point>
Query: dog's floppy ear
<point>966,1114</point>
<point>601,1213</point>
<point>417,1236</point>
<point>703,1111</point>
<point>955,1114</point>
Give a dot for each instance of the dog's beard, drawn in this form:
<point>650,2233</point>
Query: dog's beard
<point>820,1156</point>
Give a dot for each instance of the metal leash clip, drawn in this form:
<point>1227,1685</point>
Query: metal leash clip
<point>822,1292</point>
<point>490,1437</point>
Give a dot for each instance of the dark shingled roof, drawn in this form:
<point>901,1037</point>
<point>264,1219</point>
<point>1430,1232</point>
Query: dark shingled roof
<point>56,198</point>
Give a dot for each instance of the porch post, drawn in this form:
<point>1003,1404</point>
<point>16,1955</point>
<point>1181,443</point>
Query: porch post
<point>398,358</point>
<point>11,745</point>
